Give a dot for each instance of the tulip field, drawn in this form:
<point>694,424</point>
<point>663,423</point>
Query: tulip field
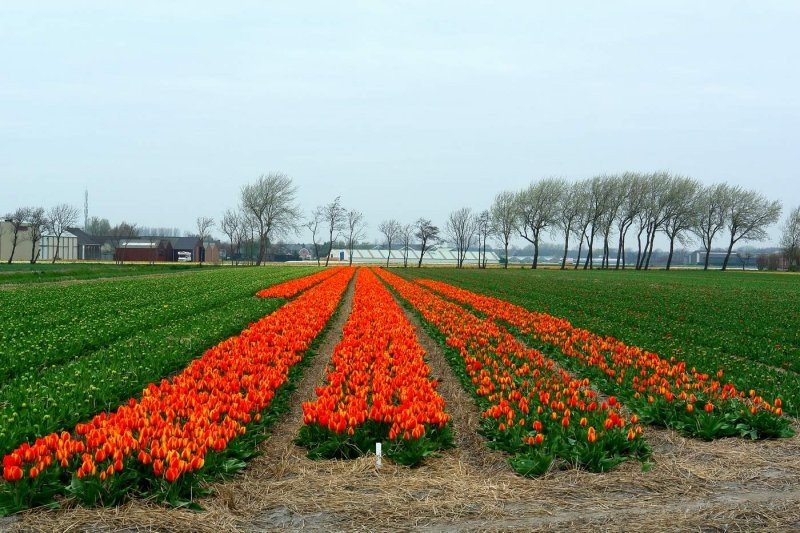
<point>163,388</point>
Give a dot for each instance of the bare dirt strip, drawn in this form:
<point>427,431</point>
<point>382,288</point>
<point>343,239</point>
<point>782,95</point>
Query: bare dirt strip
<point>725,485</point>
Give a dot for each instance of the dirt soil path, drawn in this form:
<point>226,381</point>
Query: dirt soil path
<point>729,484</point>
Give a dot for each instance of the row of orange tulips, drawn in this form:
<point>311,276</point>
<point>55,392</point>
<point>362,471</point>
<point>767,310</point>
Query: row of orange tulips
<point>378,387</point>
<point>293,287</point>
<point>161,442</point>
<point>531,408</point>
<point>662,391</point>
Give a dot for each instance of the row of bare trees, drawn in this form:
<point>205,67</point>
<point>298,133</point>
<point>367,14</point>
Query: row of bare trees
<point>336,221</point>
<point>600,210</point>
<point>267,209</point>
<point>604,212</point>
<point>31,223</point>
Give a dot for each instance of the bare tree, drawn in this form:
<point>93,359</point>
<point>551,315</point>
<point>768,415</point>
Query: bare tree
<point>711,208</point>
<point>229,225</point>
<point>569,211</point>
<point>583,199</point>
<point>245,234</point>
<point>313,225</point>
<point>37,222</point>
<point>744,257</point>
<point>355,231</point>
<point>680,211</point>
<point>334,217</point>
<point>391,229</point>
<point>503,214</point>
<point>460,228</point>
<point>59,218</point>
<point>427,234</point>
<point>748,216</point>
<point>483,228</point>
<point>537,209</point>
<point>652,216</point>
<point>613,200</point>
<point>790,237</point>
<point>271,203</point>
<point>17,221</point>
<point>407,234</point>
<point>633,187</point>
<point>98,226</point>
<point>203,225</point>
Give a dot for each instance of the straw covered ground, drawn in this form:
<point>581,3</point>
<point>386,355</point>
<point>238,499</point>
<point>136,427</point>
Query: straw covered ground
<point>726,485</point>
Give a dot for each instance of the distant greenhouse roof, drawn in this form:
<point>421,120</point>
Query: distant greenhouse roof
<point>441,256</point>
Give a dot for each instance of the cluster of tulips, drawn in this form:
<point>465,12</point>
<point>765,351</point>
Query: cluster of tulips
<point>178,426</point>
<point>531,408</point>
<point>293,287</point>
<point>662,391</point>
<point>378,387</point>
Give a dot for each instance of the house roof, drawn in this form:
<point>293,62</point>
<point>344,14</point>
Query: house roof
<point>84,238</point>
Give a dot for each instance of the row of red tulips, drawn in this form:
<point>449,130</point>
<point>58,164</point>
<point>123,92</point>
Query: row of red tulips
<point>378,387</point>
<point>293,287</point>
<point>181,428</point>
<point>662,391</point>
<point>531,408</point>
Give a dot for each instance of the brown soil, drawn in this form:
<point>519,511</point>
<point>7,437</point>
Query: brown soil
<point>729,484</point>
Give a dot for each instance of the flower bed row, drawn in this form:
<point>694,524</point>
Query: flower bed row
<point>662,391</point>
<point>378,388</point>
<point>181,428</point>
<point>531,408</point>
<point>292,287</point>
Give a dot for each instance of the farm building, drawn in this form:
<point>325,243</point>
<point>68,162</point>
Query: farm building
<point>23,250</point>
<point>46,247</point>
<point>145,249</point>
<point>67,247</point>
<point>89,247</point>
<point>191,249</point>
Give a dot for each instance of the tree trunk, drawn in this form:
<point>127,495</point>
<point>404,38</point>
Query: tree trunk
<point>13,248</point>
<point>535,252</point>
<point>566,248</point>
<point>389,255</point>
<point>728,255</point>
<point>621,247</point>
<point>650,250</point>
<point>671,247</point>
<point>589,259</point>
<point>639,248</point>
<point>262,250</point>
<point>506,262</point>
<point>578,259</point>
<point>58,245</point>
<point>708,255</point>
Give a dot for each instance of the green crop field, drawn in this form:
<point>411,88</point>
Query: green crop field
<point>746,323</point>
<point>69,351</point>
<point>16,273</point>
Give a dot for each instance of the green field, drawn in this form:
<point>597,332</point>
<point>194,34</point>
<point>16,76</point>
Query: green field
<point>70,351</point>
<point>44,272</point>
<point>747,323</point>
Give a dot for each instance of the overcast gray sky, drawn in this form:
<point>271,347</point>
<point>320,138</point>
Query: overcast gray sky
<point>163,110</point>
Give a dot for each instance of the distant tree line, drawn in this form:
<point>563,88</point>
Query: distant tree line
<point>604,212</point>
<point>607,210</point>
